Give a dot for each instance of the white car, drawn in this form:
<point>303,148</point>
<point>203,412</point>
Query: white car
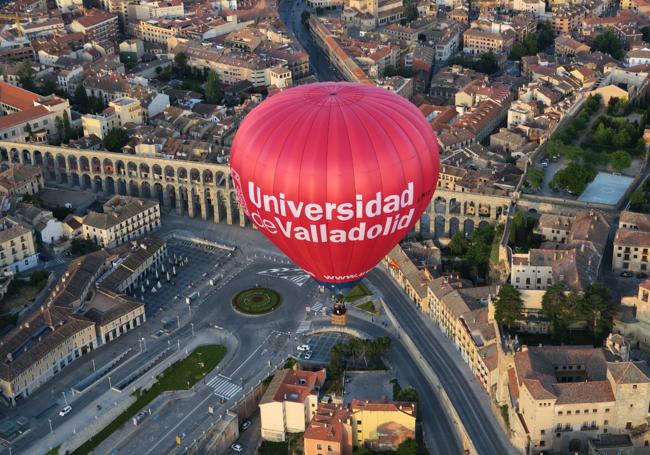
<point>237,447</point>
<point>65,411</point>
<point>307,355</point>
<point>303,347</point>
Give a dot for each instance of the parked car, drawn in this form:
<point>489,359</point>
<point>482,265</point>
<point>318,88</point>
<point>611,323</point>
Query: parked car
<point>237,447</point>
<point>307,355</point>
<point>303,347</point>
<point>65,411</point>
<point>246,425</point>
<point>642,275</point>
<point>627,274</point>
<point>545,162</point>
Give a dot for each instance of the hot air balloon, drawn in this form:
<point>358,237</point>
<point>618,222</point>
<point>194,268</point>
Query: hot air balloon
<point>335,174</point>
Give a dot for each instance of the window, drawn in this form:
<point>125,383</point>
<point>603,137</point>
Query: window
<point>542,443</point>
<point>543,432</point>
<point>605,422</point>
<point>634,387</point>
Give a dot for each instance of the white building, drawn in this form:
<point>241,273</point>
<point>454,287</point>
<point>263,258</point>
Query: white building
<point>118,113</point>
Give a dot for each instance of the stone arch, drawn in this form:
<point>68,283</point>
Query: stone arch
<point>131,169</point>
<point>84,164</point>
<point>439,226</point>
<point>195,176</point>
<point>209,203</point>
<point>170,174</point>
<point>133,189</point>
<point>15,155</point>
<point>4,154</point>
<point>221,179</point>
<point>181,174</point>
<point>145,190</point>
<point>27,157</point>
<point>49,160</point>
<point>119,167</point>
<point>483,224</point>
<point>234,205</point>
<point>95,164</point>
<point>121,187</point>
<point>158,190</point>
<point>440,205</point>
<point>144,170</point>
<point>108,166</point>
<point>184,199</point>
<point>86,182</point>
<point>60,161</point>
<point>208,176</point>
<point>469,208</point>
<point>156,172</point>
<point>425,224</point>
<point>38,158</point>
<point>454,226</point>
<point>73,163</point>
<point>454,206</point>
<point>170,192</point>
<point>98,184</point>
<point>109,186</point>
<point>74,179</point>
<point>468,227</point>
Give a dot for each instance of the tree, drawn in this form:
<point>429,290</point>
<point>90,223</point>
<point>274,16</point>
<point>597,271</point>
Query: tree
<point>48,88</point>
<point>609,43</point>
<point>508,306</point>
<point>546,35</point>
<point>603,135</point>
<point>574,177</point>
<point>58,124</point>
<point>458,244</point>
<point>408,447</point>
<point>26,76</point>
<point>115,139</point>
<point>81,99</point>
<point>213,93</point>
<point>67,128</point>
<point>555,308</point>
<point>408,394</point>
<point>180,63</point>
<point>410,13</point>
<point>597,308</point>
<point>534,177</point>
<point>621,139</point>
<point>620,160</point>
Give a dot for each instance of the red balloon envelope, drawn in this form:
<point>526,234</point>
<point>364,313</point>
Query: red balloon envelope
<point>335,174</point>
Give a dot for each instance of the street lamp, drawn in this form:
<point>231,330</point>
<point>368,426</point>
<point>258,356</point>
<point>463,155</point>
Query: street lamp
<point>144,341</point>
<point>178,322</point>
<point>109,383</point>
<point>50,421</point>
<point>93,361</point>
<point>192,325</point>
<point>65,400</point>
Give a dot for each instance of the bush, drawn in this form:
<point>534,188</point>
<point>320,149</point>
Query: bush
<point>574,178</point>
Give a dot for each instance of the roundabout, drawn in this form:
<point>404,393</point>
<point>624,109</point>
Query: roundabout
<point>256,301</point>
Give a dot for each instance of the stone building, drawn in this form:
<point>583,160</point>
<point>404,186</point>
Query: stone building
<point>21,179</point>
<point>124,219</point>
<point>631,243</point>
<point>17,246</point>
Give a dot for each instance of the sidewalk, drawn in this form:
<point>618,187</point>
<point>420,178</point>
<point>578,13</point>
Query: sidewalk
<point>88,421</point>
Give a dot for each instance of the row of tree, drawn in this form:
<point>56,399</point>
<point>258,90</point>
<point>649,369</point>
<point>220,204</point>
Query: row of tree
<point>594,308</point>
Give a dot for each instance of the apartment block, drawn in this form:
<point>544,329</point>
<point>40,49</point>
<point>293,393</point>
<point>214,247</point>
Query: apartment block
<point>631,243</point>
<point>17,246</point>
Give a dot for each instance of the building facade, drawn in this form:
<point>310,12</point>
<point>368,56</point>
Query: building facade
<point>17,246</point>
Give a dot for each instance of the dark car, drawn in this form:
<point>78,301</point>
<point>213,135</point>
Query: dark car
<point>627,274</point>
<point>642,275</point>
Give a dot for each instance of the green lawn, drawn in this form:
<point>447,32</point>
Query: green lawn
<point>357,292</point>
<point>180,376</point>
<point>368,307</point>
<point>257,301</point>
<point>274,448</point>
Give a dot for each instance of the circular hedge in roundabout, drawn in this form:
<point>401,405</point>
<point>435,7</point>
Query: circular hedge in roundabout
<point>256,301</point>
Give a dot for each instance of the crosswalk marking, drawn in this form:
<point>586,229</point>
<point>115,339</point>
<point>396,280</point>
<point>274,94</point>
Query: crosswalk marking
<point>316,307</point>
<point>295,275</point>
<point>303,327</point>
<point>223,387</point>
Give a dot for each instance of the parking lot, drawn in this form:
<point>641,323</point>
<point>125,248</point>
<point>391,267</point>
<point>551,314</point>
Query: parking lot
<point>321,344</point>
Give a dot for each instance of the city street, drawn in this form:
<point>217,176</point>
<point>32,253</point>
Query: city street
<point>290,12</point>
<point>469,399</point>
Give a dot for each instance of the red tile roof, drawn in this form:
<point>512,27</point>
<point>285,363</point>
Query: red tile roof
<point>17,97</point>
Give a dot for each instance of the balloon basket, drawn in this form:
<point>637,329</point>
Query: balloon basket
<point>339,314</point>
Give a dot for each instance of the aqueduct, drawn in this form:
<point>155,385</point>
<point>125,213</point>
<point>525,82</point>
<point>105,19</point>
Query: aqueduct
<point>190,187</point>
<point>452,211</point>
<point>205,189</point>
